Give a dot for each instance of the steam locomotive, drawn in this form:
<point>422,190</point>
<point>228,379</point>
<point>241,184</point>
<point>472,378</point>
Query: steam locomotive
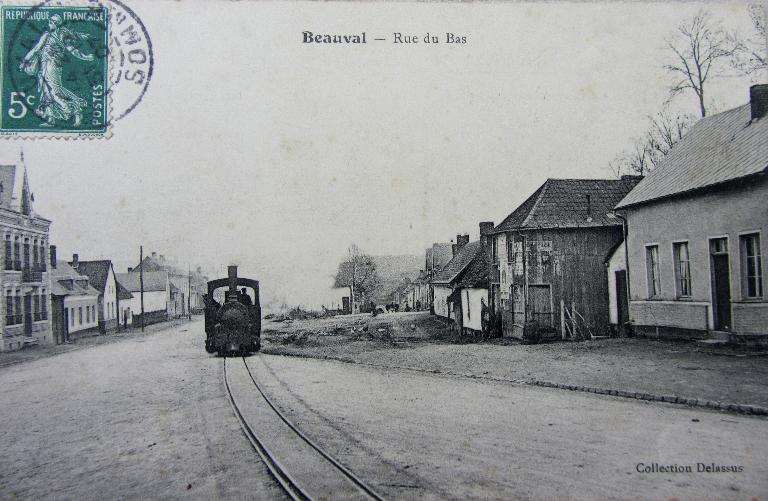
<point>233,326</point>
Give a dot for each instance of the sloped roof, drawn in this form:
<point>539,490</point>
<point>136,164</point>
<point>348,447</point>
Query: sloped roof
<point>153,281</point>
<point>476,275</point>
<point>122,292</point>
<point>570,203</point>
<point>97,272</point>
<point>719,148</point>
<point>64,280</point>
<point>458,264</point>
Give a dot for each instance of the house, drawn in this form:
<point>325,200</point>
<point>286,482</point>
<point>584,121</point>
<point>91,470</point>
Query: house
<point>198,287</point>
<point>101,275</point>
<point>157,295</point>
<point>697,227</point>
<point>24,274</point>
<point>75,302</point>
<point>179,302</point>
<point>548,258</point>
<point>460,289</point>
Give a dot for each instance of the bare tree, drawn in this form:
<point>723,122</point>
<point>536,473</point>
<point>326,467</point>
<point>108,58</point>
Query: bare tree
<point>665,131</point>
<point>750,55</point>
<point>358,272</point>
<point>646,153</point>
<point>701,51</point>
<point>636,160</point>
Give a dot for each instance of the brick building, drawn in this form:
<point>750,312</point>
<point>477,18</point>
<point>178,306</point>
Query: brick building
<point>24,275</point>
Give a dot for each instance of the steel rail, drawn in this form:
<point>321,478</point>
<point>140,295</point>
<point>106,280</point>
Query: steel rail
<point>280,474</point>
<point>357,481</point>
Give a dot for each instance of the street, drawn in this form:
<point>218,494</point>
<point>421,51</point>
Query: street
<point>148,418</point>
<point>141,418</point>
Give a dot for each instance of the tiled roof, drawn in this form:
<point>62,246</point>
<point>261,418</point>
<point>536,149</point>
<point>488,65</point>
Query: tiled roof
<point>122,292</point>
<point>64,282</point>
<point>460,261</point>
<point>153,281</point>
<point>718,149</point>
<point>97,272</point>
<point>476,275</point>
<point>570,203</point>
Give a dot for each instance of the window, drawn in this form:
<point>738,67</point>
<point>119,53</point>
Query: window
<point>35,256</point>
<point>44,300</point>
<point>36,307</point>
<point>495,249</point>
<point>17,254</point>
<point>71,317</point>
<point>88,314</point>
<point>652,269</point>
<point>752,266</point>
<point>8,253</point>
<point>682,269</point>
<point>93,312</point>
<point>17,303</point>
<point>80,315</point>
<point>43,257</point>
<point>9,318</point>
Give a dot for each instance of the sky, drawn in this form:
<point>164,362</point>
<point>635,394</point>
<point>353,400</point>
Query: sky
<point>253,148</point>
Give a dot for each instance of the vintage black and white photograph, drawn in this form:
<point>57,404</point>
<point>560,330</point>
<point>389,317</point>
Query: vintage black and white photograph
<point>410,250</point>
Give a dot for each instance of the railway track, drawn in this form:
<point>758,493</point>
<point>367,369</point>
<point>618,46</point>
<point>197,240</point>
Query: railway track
<point>302,468</point>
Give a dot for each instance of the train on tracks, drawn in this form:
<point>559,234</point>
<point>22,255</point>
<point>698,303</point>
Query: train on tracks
<point>234,324</point>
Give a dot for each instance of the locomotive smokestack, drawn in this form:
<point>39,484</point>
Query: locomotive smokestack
<point>232,275</point>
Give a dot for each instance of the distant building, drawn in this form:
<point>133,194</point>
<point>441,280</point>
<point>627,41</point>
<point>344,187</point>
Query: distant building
<point>179,301</point>
<point>101,275</point>
<point>198,287</point>
<point>458,287</point>
<point>75,303</point>
<point>697,227</point>
<point>549,258</point>
<point>157,295</point>
<point>24,274</point>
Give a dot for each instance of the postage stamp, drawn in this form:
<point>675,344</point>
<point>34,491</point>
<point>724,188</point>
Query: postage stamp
<point>55,70</point>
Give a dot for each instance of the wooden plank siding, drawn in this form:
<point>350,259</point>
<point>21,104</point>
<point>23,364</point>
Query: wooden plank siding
<point>571,262</point>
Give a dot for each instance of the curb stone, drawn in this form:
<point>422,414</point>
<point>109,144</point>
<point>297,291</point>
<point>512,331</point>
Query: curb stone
<point>732,408</point>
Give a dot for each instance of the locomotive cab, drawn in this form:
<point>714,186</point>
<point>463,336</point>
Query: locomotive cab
<point>234,324</point>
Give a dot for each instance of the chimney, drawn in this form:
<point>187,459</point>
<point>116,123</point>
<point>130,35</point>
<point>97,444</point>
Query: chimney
<point>52,251</point>
<point>758,100</point>
<point>462,240</point>
<point>130,269</point>
<point>75,261</point>
<point>154,255</point>
<point>162,258</point>
<point>486,227</point>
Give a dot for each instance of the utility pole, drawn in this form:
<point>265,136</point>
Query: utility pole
<point>141,283</point>
<point>189,291</point>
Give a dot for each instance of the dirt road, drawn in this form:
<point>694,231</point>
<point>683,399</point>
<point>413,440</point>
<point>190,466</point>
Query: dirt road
<point>459,438</point>
<point>142,418</point>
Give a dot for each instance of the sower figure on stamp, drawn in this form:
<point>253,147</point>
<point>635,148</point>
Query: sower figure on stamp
<point>45,60</point>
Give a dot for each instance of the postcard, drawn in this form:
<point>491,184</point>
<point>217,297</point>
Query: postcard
<point>383,250</point>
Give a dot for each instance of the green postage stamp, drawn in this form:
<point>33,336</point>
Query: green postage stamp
<point>55,71</point>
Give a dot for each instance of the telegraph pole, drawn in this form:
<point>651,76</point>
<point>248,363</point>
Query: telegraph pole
<point>189,291</point>
<point>141,283</point>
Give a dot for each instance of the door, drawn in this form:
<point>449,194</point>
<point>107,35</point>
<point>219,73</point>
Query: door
<point>721,284</point>
<point>540,304</point>
<point>345,305</point>
<point>622,302</point>
<point>28,315</point>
